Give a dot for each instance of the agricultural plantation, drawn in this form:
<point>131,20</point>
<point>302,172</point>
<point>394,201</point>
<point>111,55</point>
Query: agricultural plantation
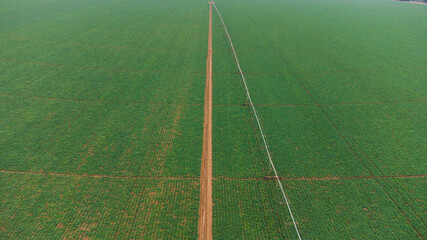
<point>233,119</point>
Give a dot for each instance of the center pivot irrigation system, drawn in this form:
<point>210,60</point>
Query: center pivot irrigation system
<point>257,120</point>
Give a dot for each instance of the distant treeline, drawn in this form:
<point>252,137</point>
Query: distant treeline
<point>414,1</point>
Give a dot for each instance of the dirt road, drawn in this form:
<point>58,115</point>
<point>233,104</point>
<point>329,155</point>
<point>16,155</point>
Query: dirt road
<point>205,210</point>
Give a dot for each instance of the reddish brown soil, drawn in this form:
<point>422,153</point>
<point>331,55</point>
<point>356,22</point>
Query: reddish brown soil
<point>205,210</point>
<point>96,175</point>
<point>326,178</point>
<point>99,101</point>
<point>114,69</point>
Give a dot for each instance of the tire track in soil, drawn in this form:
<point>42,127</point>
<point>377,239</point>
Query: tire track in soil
<point>205,209</point>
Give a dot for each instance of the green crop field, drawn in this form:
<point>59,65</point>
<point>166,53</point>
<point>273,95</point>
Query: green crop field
<point>107,97</point>
<point>102,113</point>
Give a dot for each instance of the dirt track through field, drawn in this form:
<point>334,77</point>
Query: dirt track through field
<point>80,175</point>
<point>205,210</point>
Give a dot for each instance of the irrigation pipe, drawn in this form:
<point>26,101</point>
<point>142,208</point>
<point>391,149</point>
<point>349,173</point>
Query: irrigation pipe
<point>258,122</point>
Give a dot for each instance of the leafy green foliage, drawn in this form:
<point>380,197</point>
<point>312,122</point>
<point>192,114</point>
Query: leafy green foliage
<point>339,88</point>
<point>103,93</point>
<point>250,209</point>
<point>45,206</point>
<point>108,96</point>
<point>363,208</point>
